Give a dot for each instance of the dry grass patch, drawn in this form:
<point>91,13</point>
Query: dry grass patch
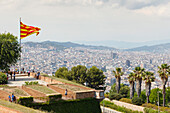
<point>42,89</point>
<point>16,91</point>
<point>72,88</point>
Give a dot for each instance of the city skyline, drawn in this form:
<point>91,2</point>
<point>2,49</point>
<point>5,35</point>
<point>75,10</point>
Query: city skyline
<point>89,20</point>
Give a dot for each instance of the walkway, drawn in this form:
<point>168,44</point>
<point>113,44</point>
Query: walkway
<point>127,105</point>
<point>21,79</point>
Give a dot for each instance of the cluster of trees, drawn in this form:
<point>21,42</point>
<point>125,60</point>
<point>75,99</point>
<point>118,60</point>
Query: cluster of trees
<point>140,74</point>
<point>9,50</point>
<point>92,77</point>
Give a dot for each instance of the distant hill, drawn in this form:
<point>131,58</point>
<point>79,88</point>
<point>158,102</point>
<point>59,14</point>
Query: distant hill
<point>124,44</point>
<point>63,45</point>
<point>156,48</point>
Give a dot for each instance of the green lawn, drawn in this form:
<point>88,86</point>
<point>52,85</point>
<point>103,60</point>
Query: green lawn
<point>19,107</point>
<point>72,88</point>
<point>42,89</point>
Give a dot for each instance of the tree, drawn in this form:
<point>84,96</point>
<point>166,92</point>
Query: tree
<point>154,96</point>
<point>118,73</point>
<point>138,75</point>
<point>9,50</point>
<point>148,77</point>
<point>164,73</point>
<point>95,77</point>
<point>124,90</point>
<point>79,74</point>
<point>132,82</point>
<point>63,73</point>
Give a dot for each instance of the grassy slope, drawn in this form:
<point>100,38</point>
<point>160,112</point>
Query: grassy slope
<point>19,107</point>
<point>66,81</point>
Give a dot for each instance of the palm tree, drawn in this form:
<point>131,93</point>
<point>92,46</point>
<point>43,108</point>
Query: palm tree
<point>138,75</point>
<point>164,73</point>
<point>132,82</point>
<point>118,73</point>
<point>148,77</point>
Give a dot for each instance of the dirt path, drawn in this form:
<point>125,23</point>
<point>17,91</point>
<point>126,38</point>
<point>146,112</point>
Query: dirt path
<point>7,110</point>
<point>4,95</point>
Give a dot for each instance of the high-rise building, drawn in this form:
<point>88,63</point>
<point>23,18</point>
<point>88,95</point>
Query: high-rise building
<point>128,63</point>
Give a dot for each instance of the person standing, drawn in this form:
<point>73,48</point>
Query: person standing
<point>28,73</point>
<point>9,98</point>
<point>11,74</point>
<point>12,97</point>
<point>66,93</point>
<point>14,75</point>
<point>38,74</point>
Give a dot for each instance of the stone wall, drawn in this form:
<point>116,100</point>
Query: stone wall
<point>85,94</point>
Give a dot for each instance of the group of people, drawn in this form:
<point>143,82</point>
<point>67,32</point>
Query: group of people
<point>12,98</point>
<point>11,75</point>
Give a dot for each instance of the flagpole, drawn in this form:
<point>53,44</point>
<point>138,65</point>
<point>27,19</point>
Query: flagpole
<point>20,45</point>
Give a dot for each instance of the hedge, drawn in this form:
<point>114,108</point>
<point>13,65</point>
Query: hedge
<point>25,100</point>
<point>88,105</point>
<point>118,108</point>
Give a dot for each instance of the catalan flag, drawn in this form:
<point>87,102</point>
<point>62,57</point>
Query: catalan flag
<point>26,30</point>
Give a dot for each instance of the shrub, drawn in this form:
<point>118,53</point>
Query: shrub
<point>126,100</point>
<point>3,78</point>
<point>115,96</point>
<point>153,106</point>
<point>106,95</point>
<point>31,83</point>
<point>149,110</point>
<point>137,100</point>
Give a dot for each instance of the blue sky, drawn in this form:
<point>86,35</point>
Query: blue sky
<point>89,20</point>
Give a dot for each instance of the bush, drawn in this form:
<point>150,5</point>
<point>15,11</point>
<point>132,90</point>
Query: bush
<point>137,101</point>
<point>115,96</point>
<point>118,108</point>
<point>3,78</point>
<point>126,100</point>
<point>153,106</point>
<point>149,110</point>
<point>31,83</point>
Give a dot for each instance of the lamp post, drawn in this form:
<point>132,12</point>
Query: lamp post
<point>158,100</point>
<point>103,92</point>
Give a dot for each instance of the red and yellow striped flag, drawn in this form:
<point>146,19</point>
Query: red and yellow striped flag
<point>26,30</point>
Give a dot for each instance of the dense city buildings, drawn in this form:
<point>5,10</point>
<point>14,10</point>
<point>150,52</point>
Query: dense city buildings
<point>49,59</point>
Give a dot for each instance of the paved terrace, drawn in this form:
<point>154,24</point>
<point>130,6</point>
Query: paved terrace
<point>20,80</point>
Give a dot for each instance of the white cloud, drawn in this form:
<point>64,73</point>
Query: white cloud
<point>161,10</point>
